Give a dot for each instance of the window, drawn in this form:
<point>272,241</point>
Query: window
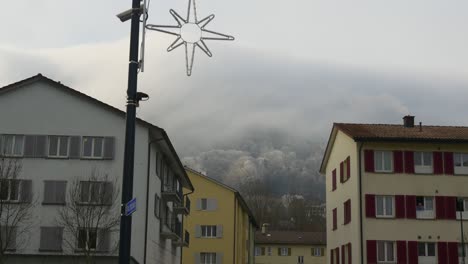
<point>207,258</point>
<point>269,251</point>
<point>347,211</point>
<point>300,259</point>
<point>204,204</point>
<point>258,251</point>
<point>426,249</point>
<point>461,253</point>
<point>9,190</point>
<point>208,231</point>
<point>423,162</point>
<point>345,168</point>
<point>460,161</point>
<point>157,206</point>
<point>383,161</point>
<point>13,145</point>
<point>87,239</point>
<point>8,237</point>
<point>384,206</point>
<point>283,251</point>
<point>317,252</point>
<point>424,207</point>
<point>58,146</point>
<point>94,192</point>
<point>335,225</point>
<point>386,251</point>
<point>55,192</point>
<point>51,239</point>
<point>93,147</point>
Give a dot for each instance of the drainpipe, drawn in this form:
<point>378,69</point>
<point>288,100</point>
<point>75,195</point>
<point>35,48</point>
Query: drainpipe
<point>360,202</point>
<point>147,195</point>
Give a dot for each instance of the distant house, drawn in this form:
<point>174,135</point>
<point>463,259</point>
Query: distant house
<point>221,224</point>
<point>278,247</point>
<point>60,136</point>
<point>392,193</point>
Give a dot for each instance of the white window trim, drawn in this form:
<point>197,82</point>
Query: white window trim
<point>269,251</point>
<point>258,251</point>
<point>382,157</point>
<point>283,250</point>
<point>93,145</point>
<point>13,146</point>
<point>423,169</point>
<point>87,238</point>
<point>18,195</point>
<point>426,245</point>
<point>385,253</point>
<point>460,170</point>
<point>101,186</point>
<point>317,252</point>
<point>384,207</point>
<point>211,260</point>
<point>59,143</point>
<point>300,259</point>
<point>426,214</point>
<point>211,228</point>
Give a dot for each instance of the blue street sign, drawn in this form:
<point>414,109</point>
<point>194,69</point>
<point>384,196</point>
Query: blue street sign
<point>130,208</point>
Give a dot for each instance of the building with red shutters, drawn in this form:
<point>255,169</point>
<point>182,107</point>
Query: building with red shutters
<point>396,193</point>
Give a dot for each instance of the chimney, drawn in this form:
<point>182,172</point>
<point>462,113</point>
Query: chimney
<point>408,121</point>
<point>265,228</point>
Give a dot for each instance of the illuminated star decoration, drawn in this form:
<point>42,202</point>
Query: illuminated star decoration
<point>191,33</point>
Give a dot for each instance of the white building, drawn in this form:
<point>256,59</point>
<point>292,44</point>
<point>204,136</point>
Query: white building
<point>60,135</point>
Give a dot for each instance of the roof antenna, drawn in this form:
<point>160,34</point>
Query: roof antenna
<point>420,126</point>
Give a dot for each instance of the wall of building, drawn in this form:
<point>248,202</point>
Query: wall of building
<point>296,250</point>
<point>343,147</point>
<point>46,110</point>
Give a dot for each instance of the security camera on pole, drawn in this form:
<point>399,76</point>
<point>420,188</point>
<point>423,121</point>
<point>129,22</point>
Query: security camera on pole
<point>191,33</point>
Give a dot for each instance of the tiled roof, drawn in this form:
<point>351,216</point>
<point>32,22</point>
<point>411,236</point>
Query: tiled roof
<point>367,132</point>
<point>291,238</point>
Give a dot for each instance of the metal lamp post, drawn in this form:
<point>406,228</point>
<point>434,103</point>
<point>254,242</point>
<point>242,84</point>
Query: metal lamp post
<point>191,33</point>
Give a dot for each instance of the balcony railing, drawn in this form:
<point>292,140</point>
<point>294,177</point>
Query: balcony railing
<point>182,208</point>
<point>183,241</point>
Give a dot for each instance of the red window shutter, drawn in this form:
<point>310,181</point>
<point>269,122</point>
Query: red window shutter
<point>409,162</point>
<point>371,252</point>
<point>370,205</point>
<point>334,180</point>
<point>398,161</point>
<point>331,256</point>
<point>334,219</point>
<point>341,172</point>
<point>348,167</point>
<point>411,207</point>
<point>442,253</point>
<point>401,252</point>
<point>453,252</point>
<point>448,163</point>
<point>451,208</point>
<point>348,211</point>
<point>412,252</point>
<point>337,255</point>
<point>369,160</point>
<point>440,207</point>
<point>438,163</point>
<point>343,256</point>
<point>400,206</point>
<point>349,254</point>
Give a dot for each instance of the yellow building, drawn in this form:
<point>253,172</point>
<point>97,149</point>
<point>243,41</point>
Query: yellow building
<point>220,222</point>
<point>396,193</point>
<point>290,247</point>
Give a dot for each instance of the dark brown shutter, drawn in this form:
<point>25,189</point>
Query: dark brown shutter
<point>411,206</point>
<point>350,257</point>
<point>440,207</point>
<point>41,147</point>
<point>369,160</point>
<point>438,163</point>
<point>399,206</point>
<point>107,195</point>
<point>412,252</point>
<point>348,168</point>
<point>334,180</point>
<point>29,146</point>
<point>370,205</point>
<point>398,161</point>
<point>442,253</point>
<point>409,162</point>
<point>26,191</point>
<point>401,252</point>
<point>341,172</point>
<point>75,147</point>
<point>451,208</point>
<point>343,256</point>
<point>453,252</point>
<point>109,147</point>
<point>371,252</point>
<point>103,240</point>
<point>448,163</point>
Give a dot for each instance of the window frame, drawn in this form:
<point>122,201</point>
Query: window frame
<point>87,230</point>
<point>269,251</point>
<point>157,206</point>
<point>426,249</point>
<point>13,146</point>
<point>381,154</point>
<point>422,168</point>
<point>90,189</point>
<point>384,206</point>
<point>386,243</point>
<point>258,251</point>
<point>460,170</point>
<point>424,213</point>
<point>93,143</point>
<point>209,231</point>
<point>300,259</point>
<point>205,202</point>
<point>59,144</point>
<point>9,190</point>
<point>212,257</point>
<point>315,250</point>
<point>282,251</point>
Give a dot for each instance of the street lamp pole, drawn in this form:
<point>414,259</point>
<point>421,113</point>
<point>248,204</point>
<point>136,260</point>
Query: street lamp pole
<point>129,151</point>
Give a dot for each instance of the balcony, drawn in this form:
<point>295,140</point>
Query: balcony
<point>172,191</point>
<point>182,208</point>
<point>183,242</point>
<point>171,227</point>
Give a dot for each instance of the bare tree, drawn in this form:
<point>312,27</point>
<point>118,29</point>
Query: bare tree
<point>15,207</point>
<point>90,216</point>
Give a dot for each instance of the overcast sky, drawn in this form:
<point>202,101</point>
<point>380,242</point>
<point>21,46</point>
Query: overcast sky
<point>295,66</point>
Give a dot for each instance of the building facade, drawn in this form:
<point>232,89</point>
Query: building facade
<point>395,193</point>
<point>281,247</point>
<point>222,225</point>
<point>70,147</point>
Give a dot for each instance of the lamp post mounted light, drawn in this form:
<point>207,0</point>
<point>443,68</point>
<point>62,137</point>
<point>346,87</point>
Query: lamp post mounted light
<point>189,32</point>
